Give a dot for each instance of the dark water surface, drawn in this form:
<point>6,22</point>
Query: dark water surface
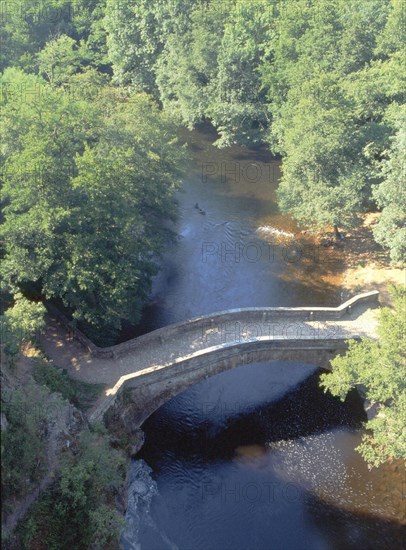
<point>257,457</point>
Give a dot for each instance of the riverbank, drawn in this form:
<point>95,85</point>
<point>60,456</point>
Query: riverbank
<point>47,442</point>
<point>361,264</point>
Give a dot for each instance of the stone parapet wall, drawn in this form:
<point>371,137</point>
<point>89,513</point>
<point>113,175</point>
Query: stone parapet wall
<point>248,315</point>
<point>160,384</point>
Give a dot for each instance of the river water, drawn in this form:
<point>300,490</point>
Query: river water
<point>256,458</point>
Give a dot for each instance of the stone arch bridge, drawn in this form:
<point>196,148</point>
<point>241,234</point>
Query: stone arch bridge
<point>161,364</point>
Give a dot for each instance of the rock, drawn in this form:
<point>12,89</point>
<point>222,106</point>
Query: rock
<point>140,487</point>
<point>371,409</point>
<point>137,446</point>
<point>4,422</point>
<point>129,417</point>
<point>141,490</point>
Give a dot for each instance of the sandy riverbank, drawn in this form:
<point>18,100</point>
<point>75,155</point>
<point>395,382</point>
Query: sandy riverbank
<point>362,265</point>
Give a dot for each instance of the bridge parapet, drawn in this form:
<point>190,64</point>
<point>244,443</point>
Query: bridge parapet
<point>250,315</point>
<point>161,382</point>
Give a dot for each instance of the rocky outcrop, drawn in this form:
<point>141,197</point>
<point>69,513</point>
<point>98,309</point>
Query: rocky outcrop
<point>4,422</point>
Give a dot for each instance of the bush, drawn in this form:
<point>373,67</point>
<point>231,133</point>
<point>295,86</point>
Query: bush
<point>79,512</point>
<point>80,394</point>
<point>22,447</point>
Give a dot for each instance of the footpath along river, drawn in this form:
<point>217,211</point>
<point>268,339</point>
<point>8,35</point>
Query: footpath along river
<point>257,458</point>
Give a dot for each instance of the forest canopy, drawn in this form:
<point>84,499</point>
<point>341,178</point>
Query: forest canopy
<point>92,96</point>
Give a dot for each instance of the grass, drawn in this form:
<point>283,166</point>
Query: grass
<point>80,394</point>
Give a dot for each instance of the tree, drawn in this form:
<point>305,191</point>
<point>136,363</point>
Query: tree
<point>86,487</point>
<point>379,368</point>
<point>236,107</point>
<point>392,40</point>
<point>79,511</point>
<point>323,177</point>
<point>88,22</point>
<point>22,444</point>
<point>200,60</point>
<point>137,31</point>
<point>187,66</point>
<point>328,97</point>
<point>20,322</point>
<point>26,27</point>
<point>59,59</point>
<point>88,183</point>
<point>390,195</point>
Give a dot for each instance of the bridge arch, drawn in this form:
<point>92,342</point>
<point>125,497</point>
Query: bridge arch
<point>154,386</point>
<point>161,364</point>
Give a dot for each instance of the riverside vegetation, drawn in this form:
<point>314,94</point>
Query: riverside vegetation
<point>93,93</point>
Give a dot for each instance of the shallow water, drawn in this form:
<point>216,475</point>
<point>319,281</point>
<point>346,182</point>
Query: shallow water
<point>257,457</point>
<point>241,252</point>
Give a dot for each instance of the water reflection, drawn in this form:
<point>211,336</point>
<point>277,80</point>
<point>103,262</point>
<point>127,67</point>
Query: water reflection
<point>258,457</point>
<point>235,469</point>
<point>241,252</point>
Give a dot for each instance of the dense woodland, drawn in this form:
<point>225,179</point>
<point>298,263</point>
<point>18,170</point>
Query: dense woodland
<point>93,93</point>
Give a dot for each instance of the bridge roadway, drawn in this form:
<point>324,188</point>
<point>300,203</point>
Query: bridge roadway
<point>166,361</point>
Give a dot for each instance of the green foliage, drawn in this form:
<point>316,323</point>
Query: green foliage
<point>188,64</point>
<point>59,59</point>
<point>320,185</point>
<point>391,197</point>
<point>20,322</point>
<point>329,85</point>
<point>392,38</point>
<point>79,511</point>
<point>379,368</point>
<point>136,31</point>
<point>89,181</point>
<point>199,59</point>
<point>22,443</point>
<point>236,106</point>
<point>80,394</point>
<point>55,379</point>
<point>26,27</point>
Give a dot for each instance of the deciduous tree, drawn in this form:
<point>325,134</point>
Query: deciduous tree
<point>379,368</point>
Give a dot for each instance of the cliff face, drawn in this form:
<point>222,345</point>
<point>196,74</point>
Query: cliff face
<point>32,416</point>
<point>122,422</point>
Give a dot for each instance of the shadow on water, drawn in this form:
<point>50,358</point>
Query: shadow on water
<point>235,470</point>
<point>216,428</point>
<point>351,531</point>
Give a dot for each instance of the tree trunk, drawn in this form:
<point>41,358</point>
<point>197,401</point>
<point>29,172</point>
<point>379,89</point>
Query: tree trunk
<point>337,233</point>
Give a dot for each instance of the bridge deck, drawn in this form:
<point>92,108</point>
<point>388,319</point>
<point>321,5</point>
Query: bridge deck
<point>192,340</point>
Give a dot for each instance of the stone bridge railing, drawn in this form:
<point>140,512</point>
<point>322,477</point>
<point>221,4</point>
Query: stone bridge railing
<point>254,315</point>
<point>159,383</point>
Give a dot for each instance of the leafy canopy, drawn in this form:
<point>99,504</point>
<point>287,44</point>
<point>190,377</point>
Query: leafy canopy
<point>379,367</point>
<point>90,175</point>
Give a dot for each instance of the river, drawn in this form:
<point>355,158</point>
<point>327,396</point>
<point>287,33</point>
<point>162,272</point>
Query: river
<point>256,458</point>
